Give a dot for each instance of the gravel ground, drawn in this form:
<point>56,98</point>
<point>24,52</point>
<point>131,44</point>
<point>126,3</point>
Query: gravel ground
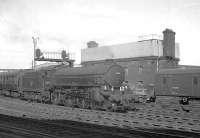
<point>162,114</point>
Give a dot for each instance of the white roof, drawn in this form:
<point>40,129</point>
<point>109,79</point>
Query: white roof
<point>145,48</point>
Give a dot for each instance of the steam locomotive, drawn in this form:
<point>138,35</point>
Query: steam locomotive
<point>91,87</point>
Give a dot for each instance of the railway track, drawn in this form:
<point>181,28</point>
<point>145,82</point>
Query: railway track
<point>131,133</point>
<point>63,128</point>
<point>15,132</point>
<point>167,133</point>
<point>43,128</point>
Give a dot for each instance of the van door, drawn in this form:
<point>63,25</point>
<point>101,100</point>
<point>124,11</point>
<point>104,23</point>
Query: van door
<point>164,85</point>
<point>195,84</point>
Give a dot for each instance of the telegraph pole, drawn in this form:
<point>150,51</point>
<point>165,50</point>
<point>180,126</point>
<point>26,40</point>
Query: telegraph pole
<point>157,65</point>
<point>35,41</point>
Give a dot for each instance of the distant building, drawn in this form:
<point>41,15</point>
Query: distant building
<point>141,59</point>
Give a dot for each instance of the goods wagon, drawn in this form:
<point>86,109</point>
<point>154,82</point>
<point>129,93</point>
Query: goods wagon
<point>21,83</point>
<point>31,84</point>
<point>9,81</point>
<point>184,83</point>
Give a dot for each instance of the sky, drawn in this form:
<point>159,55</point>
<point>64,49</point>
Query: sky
<point>70,24</point>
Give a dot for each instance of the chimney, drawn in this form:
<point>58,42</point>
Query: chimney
<point>92,44</point>
<point>169,43</point>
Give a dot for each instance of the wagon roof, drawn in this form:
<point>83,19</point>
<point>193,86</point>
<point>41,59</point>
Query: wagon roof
<point>179,71</point>
<point>95,69</point>
<point>13,72</point>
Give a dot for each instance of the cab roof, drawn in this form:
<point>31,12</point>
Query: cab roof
<point>180,71</point>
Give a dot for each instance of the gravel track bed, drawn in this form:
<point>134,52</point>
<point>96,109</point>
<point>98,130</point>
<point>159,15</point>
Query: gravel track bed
<point>73,129</point>
<point>151,115</point>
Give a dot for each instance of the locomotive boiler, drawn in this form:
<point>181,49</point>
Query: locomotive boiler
<point>87,87</point>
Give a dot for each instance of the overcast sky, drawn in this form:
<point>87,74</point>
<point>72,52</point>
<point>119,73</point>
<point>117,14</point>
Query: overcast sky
<point>69,24</point>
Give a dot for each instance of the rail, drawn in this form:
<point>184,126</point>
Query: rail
<point>63,128</point>
<point>11,131</point>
